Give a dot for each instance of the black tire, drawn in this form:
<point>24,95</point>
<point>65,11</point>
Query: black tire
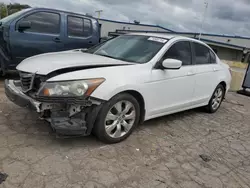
<point>209,107</point>
<point>2,67</point>
<point>99,127</point>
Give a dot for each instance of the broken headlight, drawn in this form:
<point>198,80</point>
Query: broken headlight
<point>76,88</point>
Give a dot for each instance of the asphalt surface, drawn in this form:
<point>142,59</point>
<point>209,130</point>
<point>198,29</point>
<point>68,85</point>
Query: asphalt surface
<point>191,149</point>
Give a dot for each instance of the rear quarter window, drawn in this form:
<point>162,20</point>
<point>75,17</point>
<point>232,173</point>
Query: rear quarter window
<point>212,57</point>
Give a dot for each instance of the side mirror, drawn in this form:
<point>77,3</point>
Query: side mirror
<point>171,64</point>
<point>24,25</point>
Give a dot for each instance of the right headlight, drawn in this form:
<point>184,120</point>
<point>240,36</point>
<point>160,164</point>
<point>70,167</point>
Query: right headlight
<point>76,88</point>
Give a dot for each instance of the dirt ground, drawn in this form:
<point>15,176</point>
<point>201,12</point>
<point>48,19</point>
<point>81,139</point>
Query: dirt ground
<point>186,150</point>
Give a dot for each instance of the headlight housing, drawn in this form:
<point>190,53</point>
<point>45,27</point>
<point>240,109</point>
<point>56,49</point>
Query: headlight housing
<point>76,88</point>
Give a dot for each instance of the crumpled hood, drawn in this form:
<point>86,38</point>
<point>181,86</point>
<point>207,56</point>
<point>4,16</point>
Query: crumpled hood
<point>46,63</point>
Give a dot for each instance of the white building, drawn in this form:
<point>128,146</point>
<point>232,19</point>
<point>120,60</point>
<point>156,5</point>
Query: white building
<point>233,48</point>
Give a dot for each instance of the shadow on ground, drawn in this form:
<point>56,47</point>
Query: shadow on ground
<point>164,152</point>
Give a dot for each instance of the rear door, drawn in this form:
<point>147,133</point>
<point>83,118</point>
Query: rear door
<point>79,32</point>
<point>205,73</point>
<point>216,66</point>
<point>43,36</point>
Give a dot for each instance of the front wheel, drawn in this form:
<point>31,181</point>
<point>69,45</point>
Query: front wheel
<point>117,118</point>
<point>216,99</point>
<point>2,67</point>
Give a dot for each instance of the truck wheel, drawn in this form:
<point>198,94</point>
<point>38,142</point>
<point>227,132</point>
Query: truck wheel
<point>2,67</point>
<point>216,99</point>
<point>117,118</point>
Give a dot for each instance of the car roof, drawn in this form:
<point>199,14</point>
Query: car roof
<point>167,36</point>
<point>160,35</point>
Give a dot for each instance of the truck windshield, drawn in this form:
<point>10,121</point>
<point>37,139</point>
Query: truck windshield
<point>131,48</point>
<point>13,16</point>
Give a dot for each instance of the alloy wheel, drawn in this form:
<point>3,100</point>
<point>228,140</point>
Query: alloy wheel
<point>217,98</point>
<point>120,119</point>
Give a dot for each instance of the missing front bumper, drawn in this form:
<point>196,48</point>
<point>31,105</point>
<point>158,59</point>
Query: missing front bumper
<point>15,94</point>
<point>80,122</point>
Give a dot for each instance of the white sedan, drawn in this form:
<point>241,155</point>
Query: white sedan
<point>111,88</point>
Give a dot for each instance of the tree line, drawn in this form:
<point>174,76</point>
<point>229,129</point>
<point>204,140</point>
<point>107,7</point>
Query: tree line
<point>8,9</point>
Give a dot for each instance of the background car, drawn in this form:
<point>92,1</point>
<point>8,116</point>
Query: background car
<point>40,30</point>
<point>111,88</point>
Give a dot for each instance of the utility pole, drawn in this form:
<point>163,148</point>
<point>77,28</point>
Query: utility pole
<point>204,17</point>
<point>99,13</point>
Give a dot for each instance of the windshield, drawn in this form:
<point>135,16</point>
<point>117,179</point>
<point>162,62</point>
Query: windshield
<point>12,16</point>
<point>132,48</point>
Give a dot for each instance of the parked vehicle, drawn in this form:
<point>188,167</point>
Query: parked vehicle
<point>112,87</point>
<point>40,30</point>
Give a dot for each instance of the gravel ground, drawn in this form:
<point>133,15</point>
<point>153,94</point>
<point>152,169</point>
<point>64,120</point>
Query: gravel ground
<point>186,150</point>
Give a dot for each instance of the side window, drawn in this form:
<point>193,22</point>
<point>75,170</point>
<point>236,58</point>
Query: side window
<point>79,27</point>
<point>43,22</point>
<point>202,54</point>
<point>87,28</point>
<point>181,51</point>
<point>75,26</point>
<point>212,57</point>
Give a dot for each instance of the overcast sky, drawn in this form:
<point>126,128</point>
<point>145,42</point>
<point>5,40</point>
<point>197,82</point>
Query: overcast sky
<point>223,16</point>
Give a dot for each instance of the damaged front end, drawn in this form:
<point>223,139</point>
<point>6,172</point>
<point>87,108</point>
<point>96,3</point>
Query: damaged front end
<point>71,119</point>
<point>69,114</point>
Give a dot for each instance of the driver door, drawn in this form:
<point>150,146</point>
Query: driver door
<point>172,90</point>
<point>43,36</point>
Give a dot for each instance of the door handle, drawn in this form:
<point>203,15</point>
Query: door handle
<point>214,69</point>
<point>56,40</point>
<point>90,42</point>
<point>190,73</point>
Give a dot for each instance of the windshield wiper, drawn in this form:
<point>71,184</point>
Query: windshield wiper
<point>121,59</point>
<point>106,56</point>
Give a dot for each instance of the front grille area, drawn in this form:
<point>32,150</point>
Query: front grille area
<point>31,81</point>
<point>26,81</point>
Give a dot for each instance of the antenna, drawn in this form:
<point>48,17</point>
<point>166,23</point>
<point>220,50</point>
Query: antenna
<point>204,17</point>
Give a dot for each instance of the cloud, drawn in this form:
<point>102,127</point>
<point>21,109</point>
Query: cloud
<point>223,16</point>
<point>232,11</point>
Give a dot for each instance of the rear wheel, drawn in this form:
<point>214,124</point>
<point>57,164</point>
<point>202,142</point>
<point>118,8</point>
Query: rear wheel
<point>216,99</point>
<point>117,118</point>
